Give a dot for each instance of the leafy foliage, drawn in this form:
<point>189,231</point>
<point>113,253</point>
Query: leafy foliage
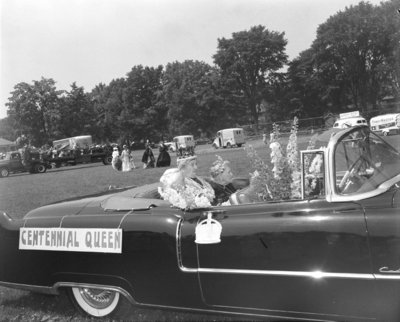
<point>350,51</point>
<point>249,59</point>
<point>34,109</point>
<point>353,63</point>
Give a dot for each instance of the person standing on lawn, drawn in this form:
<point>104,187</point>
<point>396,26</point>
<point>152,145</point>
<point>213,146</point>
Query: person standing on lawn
<point>125,156</point>
<point>116,161</point>
<point>164,159</point>
<point>148,157</point>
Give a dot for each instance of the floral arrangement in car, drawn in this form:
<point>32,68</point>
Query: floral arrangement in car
<point>282,179</point>
<point>185,197</point>
<point>185,193</point>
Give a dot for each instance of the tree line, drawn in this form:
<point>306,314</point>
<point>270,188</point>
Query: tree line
<point>353,63</point>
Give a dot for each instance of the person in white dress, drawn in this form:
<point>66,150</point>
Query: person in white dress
<point>115,159</point>
<point>125,157</point>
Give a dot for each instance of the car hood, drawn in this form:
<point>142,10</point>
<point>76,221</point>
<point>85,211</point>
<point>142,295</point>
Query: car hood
<point>69,208</point>
<point>125,200</point>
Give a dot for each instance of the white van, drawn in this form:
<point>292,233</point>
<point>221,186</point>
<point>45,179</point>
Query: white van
<point>386,124</point>
<point>228,138</point>
<point>350,119</point>
<point>182,144</point>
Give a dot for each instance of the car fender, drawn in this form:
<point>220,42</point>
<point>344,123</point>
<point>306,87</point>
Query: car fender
<point>115,283</point>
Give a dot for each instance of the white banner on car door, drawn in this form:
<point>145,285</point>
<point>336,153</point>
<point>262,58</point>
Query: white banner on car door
<point>99,240</point>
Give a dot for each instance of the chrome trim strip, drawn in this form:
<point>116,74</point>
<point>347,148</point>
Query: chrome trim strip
<point>54,289</point>
<point>331,194</point>
<point>313,274</point>
<point>123,218</point>
<point>32,288</point>
<point>358,196</point>
<point>244,311</point>
<point>178,246</point>
<point>97,286</point>
<point>387,277</point>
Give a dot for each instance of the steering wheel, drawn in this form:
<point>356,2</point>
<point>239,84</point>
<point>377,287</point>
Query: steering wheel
<point>352,177</point>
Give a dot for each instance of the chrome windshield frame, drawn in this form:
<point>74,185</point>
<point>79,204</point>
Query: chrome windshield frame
<point>331,191</point>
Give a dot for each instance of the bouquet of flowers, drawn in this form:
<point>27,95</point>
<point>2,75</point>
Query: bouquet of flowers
<point>282,180</point>
<point>261,177</point>
<point>188,195</point>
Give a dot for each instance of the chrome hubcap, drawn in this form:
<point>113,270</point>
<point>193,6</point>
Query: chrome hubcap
<point>97,298</point>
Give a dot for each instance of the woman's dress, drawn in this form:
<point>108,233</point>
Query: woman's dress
<point>164,159</point>
<point>148,158</point>
<point>126,165</point>
<point>116,161</point>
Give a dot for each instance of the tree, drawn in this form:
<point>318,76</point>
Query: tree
<point>108,102</point>
<point>192,96</point>
<point>249,58</point>
<point>76,112</point>
<point>34,109</point>
<point>351,49</point>
<point>304,88</point>
<point>140,114</point>
<point>7,130</point>
<point>390,68</point>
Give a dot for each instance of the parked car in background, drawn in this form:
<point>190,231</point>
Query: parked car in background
<point>14,162</point>
<point>349,119</point>
<point>229,138</point>
<point>331,254</point>
<point>182,144</point>
<point>171,146</point>
<point>386,124</point>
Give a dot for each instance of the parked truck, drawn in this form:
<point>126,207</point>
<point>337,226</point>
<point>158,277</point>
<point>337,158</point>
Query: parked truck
<point>23,161</point>
<point>229,138</point>
<point>78,149</point>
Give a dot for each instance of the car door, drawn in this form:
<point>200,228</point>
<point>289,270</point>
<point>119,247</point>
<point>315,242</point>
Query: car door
<point>15,162</point>
<point>306,256</point>
<point>383,221</point>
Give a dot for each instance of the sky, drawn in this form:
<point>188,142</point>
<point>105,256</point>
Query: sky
<point>95,41</point>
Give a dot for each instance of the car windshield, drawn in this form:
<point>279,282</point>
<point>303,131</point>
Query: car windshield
<point>363,161</point>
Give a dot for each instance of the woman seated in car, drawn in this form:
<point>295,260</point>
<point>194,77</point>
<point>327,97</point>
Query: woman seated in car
<point>183,188</point>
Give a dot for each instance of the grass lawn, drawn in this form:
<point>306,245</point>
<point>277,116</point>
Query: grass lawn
<point>20,193</point>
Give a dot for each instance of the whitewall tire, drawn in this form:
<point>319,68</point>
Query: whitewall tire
<point>95,302</point>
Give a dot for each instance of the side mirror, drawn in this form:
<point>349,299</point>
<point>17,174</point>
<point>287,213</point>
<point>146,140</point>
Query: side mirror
<point>313,173</point>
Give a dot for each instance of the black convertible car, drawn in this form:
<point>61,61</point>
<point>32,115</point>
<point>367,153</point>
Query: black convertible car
<point>332,255</point>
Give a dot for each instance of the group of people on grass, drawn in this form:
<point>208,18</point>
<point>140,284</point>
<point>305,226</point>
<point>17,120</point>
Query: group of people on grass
<point>124,161</point>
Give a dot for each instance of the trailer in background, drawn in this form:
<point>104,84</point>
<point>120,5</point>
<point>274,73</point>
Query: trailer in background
<point>78,149</point>
<point>386,124</point>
